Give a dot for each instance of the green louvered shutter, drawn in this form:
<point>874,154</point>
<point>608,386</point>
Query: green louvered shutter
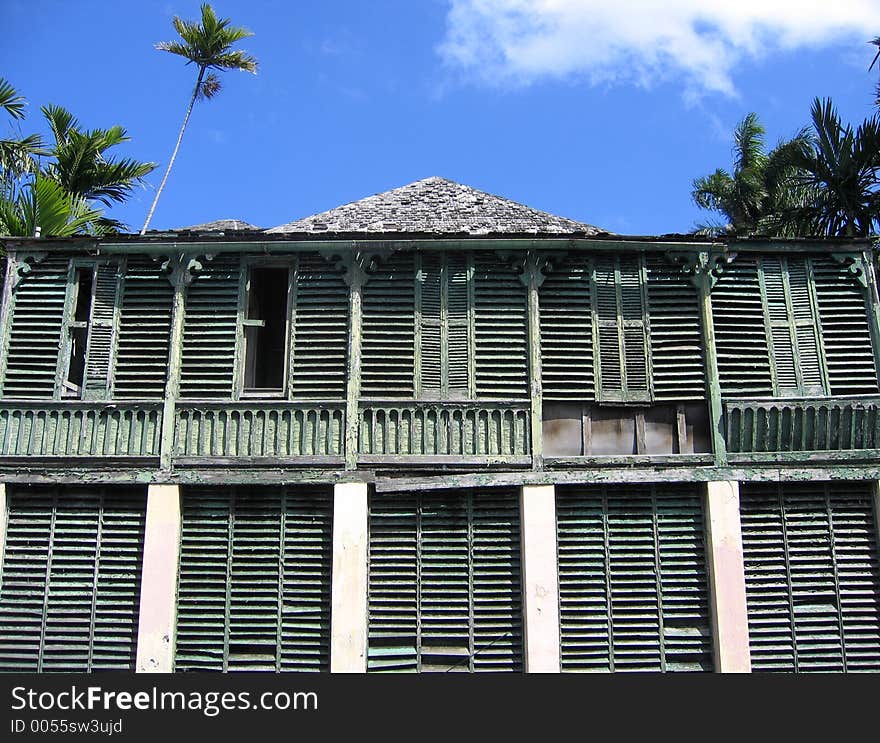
<point>501,357</point>
<point>444,582</point>
<point>676,341</point>
<point>103,321</point>
<point>209,329</point>
<point>144,331</point>
<point>254,584</point>
<point>633,587</point>
<point>846,334</point>
<point>567,332</point>
<point>430,293</point>
<point>812,583</point>
<point>458,340</point>
<point>623,362</point>
<point>388,330</point>
<point>740,336</point>
<point>792,326</point>
<point>320,330</point>
<point>35,335</point>
<point>70,582</point>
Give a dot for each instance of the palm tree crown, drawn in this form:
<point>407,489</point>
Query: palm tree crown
<point>207,44</point>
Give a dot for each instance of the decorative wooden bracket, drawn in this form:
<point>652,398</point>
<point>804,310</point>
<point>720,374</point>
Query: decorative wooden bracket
<point>532,264</point>
<point>356,265</point>
<point>180,268</point>
<point>25,265</point>
<point>702,266</point>
<point>853,264</point>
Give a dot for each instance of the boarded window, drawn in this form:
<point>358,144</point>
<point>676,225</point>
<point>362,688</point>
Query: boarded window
<point>444,582</point>
<point>254,585</point>
<point>812,583</point>
<point>633,587</point>
<point>71,579</point>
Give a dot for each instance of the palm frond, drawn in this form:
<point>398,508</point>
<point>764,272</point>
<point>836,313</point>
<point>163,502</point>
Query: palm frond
<point>10,100</point>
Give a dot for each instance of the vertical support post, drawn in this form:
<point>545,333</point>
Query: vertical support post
<point>727,582</point>
<point>348,619</point>
<point>4,522</point>
<point>533,277</point>
<point>180,268</point>
<point>355,278</point>
<point>158,608</point>
<point>873,304</point>
<point>6,313</point>
<point>540,578</point>
<point>875,492</point>
<point>704,279</point>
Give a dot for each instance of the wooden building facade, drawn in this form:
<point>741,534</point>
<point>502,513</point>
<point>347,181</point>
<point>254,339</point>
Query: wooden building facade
<point>435,430</point>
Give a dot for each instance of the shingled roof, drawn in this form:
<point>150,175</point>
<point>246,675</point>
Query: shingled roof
<point>220,225</point>
<point>436,206</point>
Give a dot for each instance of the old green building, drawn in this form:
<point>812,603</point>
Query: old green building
<point>436,430</point>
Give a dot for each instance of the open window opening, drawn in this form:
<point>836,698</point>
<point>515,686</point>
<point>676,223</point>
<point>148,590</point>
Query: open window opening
<point>265,331</point>
<point>79,334</point>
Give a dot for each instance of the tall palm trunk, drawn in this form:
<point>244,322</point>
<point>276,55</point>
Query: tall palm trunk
<point>176,148</point>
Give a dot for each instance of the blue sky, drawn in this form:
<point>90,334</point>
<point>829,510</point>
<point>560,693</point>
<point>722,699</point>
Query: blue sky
<point>596,110</point>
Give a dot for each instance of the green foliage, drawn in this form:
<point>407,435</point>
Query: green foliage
<point>58,196</point>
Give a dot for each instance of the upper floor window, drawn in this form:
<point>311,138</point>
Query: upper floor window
<point>266,331</point>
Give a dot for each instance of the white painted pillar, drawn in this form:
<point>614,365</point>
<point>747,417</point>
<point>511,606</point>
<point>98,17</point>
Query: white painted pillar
<point>727,580</point>
<point>540,578</point>
<point>348,621</point>
<point>158,609</point>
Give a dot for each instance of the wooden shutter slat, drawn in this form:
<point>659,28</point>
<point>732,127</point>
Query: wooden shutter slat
<point>71,576</point>
<point>100,350</point>
<point>254,584</point>
<point>633,586</point>
<point>37,316</point>
<point>144,331</point>
<point>812,582</point>
<point>444,582</point>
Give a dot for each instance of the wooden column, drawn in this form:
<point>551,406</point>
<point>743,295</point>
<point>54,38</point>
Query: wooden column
<point>4,522</point>
<point>533,277</point>
<point>727,582</point>
<point>348,621</point>
<point>158,608</point>
<point>704,281</point>
<point>10,276</point>
<point>179,267</point>
<point>540,578</point>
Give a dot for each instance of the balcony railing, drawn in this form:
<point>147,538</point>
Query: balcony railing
<point>80,429</point>
<point>463,431</point>
<point>257,429</point>
<point>802,425</point>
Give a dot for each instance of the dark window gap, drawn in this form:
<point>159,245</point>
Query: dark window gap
<point>266,330</point>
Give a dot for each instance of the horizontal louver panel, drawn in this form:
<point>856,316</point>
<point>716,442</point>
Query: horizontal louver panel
<point>567,332</point>
<point>209,330</point>
<point>102,331</point>
<point>501,330</point>
<point>254,585</point>
<point>633,586</point>
<point>144,331</point>
<point>812,582</point>
<point>320,351</point>
<point>71,579</point>
<point>388,334</point>
<point>846,335</point>
<point>35,335</point>
<point>445,586</point>
<point>675,337</point>
<point>740,336</point>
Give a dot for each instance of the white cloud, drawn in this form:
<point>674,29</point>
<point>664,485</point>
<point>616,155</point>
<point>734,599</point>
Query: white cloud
<point>643,41</point>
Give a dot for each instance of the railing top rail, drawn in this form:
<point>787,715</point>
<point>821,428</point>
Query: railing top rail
<point>782,402</point>
<point>12,404</point>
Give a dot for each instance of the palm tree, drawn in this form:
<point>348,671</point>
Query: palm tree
<point>18,154</point>
<point>44,207</point>
<point>209,46</point>
<point>743,198</point>
<point>832,177</point>
<point>82,167</point>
